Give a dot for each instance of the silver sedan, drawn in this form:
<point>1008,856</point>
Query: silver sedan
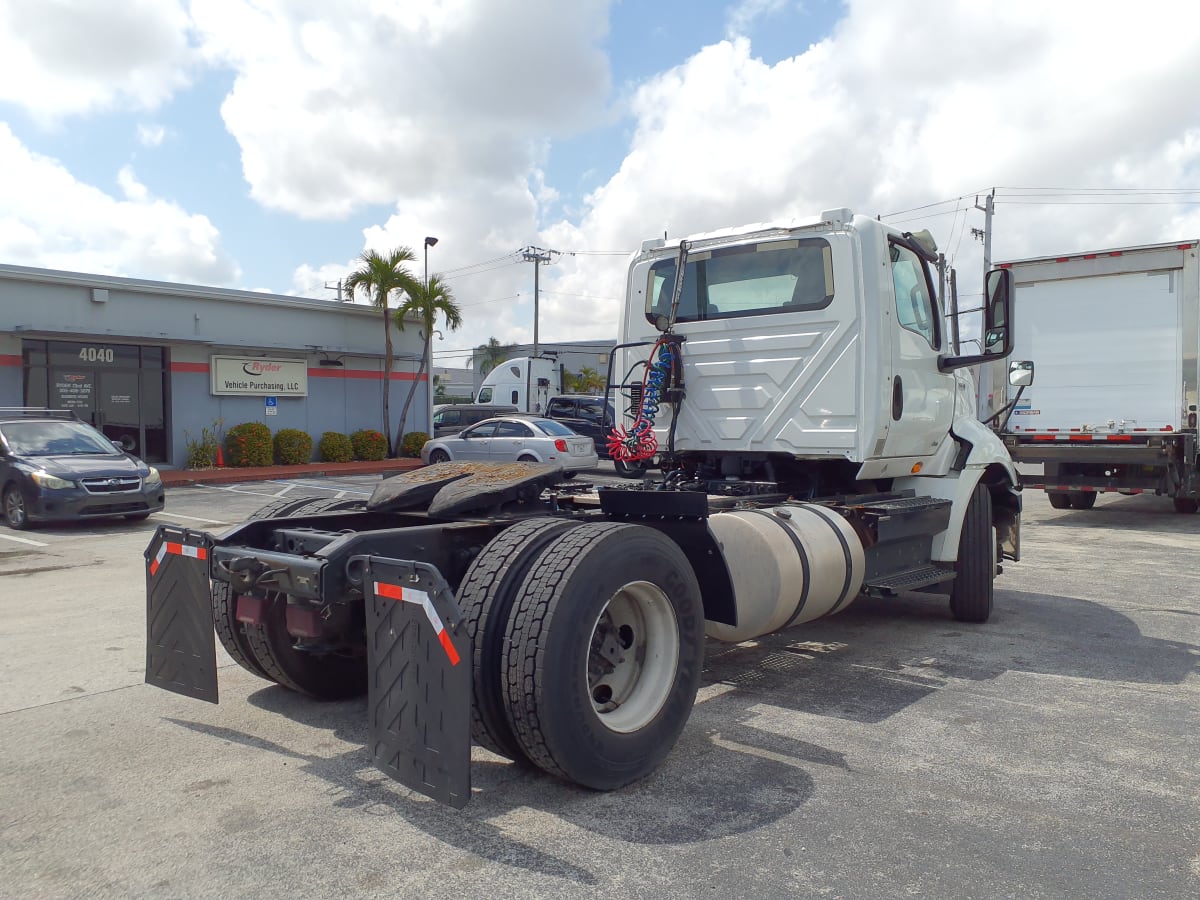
<point>516,438</point>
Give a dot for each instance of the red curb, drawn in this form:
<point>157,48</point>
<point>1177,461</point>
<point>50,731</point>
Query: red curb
<point>176,478</point>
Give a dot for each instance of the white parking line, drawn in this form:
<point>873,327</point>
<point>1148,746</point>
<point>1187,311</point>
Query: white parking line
<point>338,489</point>
<point>13,537</point>
<point>289,487</point>
<point>175,515</point>
<point>233,490</point>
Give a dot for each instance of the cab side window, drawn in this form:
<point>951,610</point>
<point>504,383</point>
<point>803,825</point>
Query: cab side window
<point>560,408</point>
<point>915,310</point>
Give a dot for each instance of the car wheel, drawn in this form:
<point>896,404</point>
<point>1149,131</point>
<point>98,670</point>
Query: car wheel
<point>14,508</point>
<point>438,456</point>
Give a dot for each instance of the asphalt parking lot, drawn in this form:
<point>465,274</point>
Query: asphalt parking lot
<point>888,751</point>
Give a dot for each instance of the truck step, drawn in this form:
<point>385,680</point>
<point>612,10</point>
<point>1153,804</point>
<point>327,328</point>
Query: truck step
<point>901,505</point>
<point>922,576</point>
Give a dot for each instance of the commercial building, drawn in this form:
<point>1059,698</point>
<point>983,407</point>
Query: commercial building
<point>152,363</point>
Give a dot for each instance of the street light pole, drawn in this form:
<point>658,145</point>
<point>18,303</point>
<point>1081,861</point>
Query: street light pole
<point>429,242</point>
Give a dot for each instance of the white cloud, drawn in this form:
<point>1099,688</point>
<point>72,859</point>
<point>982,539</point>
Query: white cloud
<point>59,57</point>
<point>744,14</point>
<point>343,107</point>
<point>50,219</point>
<point>892,112</point>
<point>151,135</point>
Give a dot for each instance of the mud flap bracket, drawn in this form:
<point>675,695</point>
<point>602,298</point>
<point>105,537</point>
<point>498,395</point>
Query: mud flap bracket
<point>181,652</point>
<point>419,660</point>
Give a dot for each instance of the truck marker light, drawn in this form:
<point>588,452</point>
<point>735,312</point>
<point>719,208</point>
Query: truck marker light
<point>411,595</point>
<point>916,468</point>
<point>178,550</point>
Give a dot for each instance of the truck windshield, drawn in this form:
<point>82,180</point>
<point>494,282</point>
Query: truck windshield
<point>748,280</point>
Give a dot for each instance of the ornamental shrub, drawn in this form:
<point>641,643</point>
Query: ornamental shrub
<point>335,447</point>
<point>368,444</point>
<point>248,444</point>
<point>202,453</point>
<point>412,443</point>
<point>293,447</point>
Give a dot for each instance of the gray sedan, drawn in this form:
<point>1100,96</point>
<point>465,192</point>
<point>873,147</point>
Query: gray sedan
<point>516,438</point>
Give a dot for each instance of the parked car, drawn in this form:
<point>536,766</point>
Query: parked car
<point>591,417</point>
<point>450,419</point>
<point>54,466</point>
<point>516,438</point>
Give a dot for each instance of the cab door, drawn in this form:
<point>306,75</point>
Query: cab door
<point>921,401</point>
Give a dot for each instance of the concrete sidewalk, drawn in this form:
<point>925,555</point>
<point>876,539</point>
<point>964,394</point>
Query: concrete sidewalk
<point>229,475</point>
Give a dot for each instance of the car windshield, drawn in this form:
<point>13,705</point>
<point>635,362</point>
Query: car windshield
<point>550,426</point>
<point>56,439</point>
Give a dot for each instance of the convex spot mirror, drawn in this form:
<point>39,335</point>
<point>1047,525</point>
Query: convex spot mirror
<point>1020,373</point>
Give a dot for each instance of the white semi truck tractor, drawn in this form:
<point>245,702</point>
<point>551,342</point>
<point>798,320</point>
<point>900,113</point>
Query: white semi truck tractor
<point>818,442</point>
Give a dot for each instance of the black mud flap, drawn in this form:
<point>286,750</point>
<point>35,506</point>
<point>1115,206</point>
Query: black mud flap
<point>181,652</point>
<point>419,661</point>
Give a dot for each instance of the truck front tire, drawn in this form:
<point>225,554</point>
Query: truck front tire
<point>971,590</point>
<point>605,648</point>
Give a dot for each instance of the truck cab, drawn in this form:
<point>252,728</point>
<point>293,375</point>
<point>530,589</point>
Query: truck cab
<point>815,357</point>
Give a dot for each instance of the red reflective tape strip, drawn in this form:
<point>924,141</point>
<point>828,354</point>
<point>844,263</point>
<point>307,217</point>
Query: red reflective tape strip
<point>448,646</point>
<point>422,599</point>
<point>186,550</point>
<point>1115,437</point>
<point>158,558</point>
<point>391,591</point>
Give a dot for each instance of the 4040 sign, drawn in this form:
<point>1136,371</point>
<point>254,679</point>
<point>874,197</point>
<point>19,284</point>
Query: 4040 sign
<point>96,354</point>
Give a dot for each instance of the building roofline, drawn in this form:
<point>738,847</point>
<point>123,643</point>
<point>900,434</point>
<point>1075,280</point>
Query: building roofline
<point>173,289</point>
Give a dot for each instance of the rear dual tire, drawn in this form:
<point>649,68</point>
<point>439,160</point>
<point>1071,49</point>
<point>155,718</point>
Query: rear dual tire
<point>604,650</point>
<point>267,650</point>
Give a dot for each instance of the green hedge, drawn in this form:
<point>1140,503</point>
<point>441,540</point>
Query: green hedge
<point>412,443</point>
<point>335,447</point>
<point>293,447</point>
<point>248,444</point>
<point>369,444</point>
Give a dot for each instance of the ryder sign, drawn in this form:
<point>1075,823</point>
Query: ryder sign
<point>259,376</point>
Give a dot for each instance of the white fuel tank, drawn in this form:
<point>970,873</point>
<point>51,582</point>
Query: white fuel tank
<point>788,564</point>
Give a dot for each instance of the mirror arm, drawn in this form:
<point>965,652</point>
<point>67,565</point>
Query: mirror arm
<point>1009,408</point>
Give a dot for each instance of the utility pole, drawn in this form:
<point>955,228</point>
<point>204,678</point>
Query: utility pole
<point>986,392</point>
<point>335,287</point>
<point>988,208</point>
<point>537,256</point>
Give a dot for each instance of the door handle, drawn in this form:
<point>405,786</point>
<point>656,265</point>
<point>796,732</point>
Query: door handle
<point>897,398</point>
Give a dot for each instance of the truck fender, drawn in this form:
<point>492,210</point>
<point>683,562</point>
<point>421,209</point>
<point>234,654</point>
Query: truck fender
<point>987,460</point>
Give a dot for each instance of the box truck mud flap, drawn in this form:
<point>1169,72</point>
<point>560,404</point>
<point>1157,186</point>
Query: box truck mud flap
<point>419,660</point>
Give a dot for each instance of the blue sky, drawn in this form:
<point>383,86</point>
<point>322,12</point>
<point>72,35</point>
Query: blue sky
<point>263,144</point>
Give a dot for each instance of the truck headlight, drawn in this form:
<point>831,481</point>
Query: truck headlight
<point>52,482</point>
<point>152,478</point>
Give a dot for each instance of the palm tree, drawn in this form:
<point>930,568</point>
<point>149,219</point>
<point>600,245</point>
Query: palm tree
<point>487,356</point>
<point>377,278</point>
<point>424,302</point>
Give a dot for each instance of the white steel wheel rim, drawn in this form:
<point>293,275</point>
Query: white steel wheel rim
<point>633,655</point>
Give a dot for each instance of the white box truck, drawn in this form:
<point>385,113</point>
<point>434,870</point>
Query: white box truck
<point>526,382</point>
<point>1113,337</point>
